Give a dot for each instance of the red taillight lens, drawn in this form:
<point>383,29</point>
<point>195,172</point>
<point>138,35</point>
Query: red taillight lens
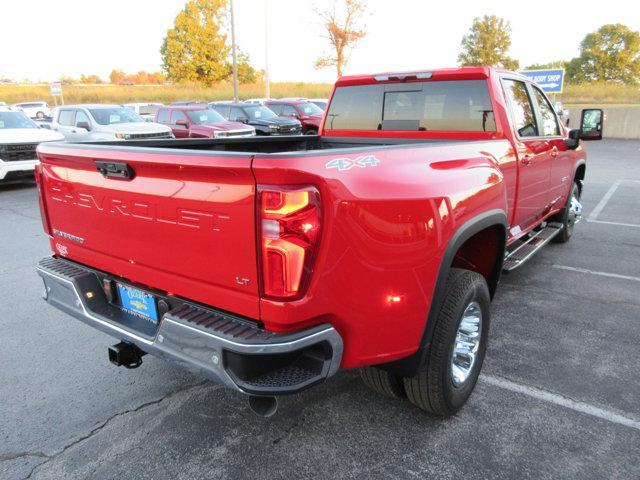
<point>289,229</point>
<point>43,211</point>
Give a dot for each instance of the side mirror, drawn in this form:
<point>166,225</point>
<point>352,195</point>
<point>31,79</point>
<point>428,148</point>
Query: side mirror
<point>574,139</point>
<point>182,122</point>
<point>591,123</point>
<point>243,119</point>
<point>45,126</point>
<point>84,125</point>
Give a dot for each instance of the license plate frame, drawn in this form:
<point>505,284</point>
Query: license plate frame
<point>137,302</point>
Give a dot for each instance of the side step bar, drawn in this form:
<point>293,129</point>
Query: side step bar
<point>530,247</point>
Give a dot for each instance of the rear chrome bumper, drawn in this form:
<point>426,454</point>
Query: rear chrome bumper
<point>225,348</point>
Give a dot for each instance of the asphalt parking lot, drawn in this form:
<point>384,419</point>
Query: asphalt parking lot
<point>558,398</point>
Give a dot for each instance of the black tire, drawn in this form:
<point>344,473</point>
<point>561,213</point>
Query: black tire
<point>432,389</point>
<point>311,131</point>
<point>567,217</point>
<point>383,382</point>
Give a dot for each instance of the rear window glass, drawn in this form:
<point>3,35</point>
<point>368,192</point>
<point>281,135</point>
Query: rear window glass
<point>459,105</point>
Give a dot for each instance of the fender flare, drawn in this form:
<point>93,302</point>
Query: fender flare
<point>579,163</point>
<point>409,366</point>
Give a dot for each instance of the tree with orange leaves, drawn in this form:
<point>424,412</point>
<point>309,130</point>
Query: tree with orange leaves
<point>344,30</point>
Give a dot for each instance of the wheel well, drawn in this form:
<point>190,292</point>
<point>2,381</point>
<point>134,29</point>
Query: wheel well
<point>483,253</point>
<point>580,173</point>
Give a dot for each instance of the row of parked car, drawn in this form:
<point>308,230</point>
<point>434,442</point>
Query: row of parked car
<point>23,126</point>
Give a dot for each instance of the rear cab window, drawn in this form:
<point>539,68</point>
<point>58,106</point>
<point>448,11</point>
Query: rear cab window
<point>440,105</point>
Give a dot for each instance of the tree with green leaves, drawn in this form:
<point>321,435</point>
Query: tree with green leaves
<point>488,43</point>
<point>196,49</point>
<point>611,54</point>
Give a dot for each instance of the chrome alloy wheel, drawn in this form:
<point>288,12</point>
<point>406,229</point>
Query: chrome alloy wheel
<point>575,211</point>
<point>467,344</point>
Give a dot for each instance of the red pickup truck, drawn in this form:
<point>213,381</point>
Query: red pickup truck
<point>268,263</point>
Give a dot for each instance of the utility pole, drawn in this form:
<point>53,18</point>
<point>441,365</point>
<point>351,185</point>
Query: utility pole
<point>233,53</point>
<point>267,80</point>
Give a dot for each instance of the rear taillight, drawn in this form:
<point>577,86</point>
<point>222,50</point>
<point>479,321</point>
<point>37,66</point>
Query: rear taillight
<point>43,211</point>
<point>289,231</point>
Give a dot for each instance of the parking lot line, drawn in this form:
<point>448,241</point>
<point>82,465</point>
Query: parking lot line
<point>595,272</point>
<point>607,196</point>
<point>614,223</point>
<point>556,399</point>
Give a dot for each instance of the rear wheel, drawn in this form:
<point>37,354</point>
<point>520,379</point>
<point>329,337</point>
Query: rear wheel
<point>569,215</point>
<point>383,382</point>
<point>457,349</point>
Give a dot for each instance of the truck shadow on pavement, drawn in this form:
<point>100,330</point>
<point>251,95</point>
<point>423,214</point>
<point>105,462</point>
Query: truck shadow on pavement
<point>336,430</point>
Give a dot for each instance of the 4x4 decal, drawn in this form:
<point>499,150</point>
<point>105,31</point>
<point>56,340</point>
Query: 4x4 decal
<point>343,164</point>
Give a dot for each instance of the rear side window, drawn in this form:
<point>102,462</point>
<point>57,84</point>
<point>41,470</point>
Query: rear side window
<point>66,117</point>
<point>459,105</point>
<point>521,109</point>
<point>549,123</point>
<point>178,115</point>
<point>163,115</point>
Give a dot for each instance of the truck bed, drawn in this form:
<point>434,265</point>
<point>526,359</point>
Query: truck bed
<point>274,144</point>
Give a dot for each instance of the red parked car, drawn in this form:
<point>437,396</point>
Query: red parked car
<point>309,114</point>
<point>201,122</point>
<point>269,263</point>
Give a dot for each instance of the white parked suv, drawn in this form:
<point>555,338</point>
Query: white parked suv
<point>19,137</point>
<point>34,109</point>
<point>80,123</point>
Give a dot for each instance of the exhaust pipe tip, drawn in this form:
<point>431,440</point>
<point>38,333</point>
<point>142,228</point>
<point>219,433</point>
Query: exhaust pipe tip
<point>264,406</point>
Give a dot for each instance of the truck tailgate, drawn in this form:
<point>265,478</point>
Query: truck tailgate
<point>184,223</point>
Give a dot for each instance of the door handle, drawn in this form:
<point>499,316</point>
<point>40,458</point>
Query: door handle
<point>119,170</point>
<point>554,152</point>
<point>526,160</point>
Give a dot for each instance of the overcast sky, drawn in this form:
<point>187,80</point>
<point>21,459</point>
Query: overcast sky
<point>44,39</point>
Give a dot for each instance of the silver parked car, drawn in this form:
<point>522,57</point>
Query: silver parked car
<point>104,122</point>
